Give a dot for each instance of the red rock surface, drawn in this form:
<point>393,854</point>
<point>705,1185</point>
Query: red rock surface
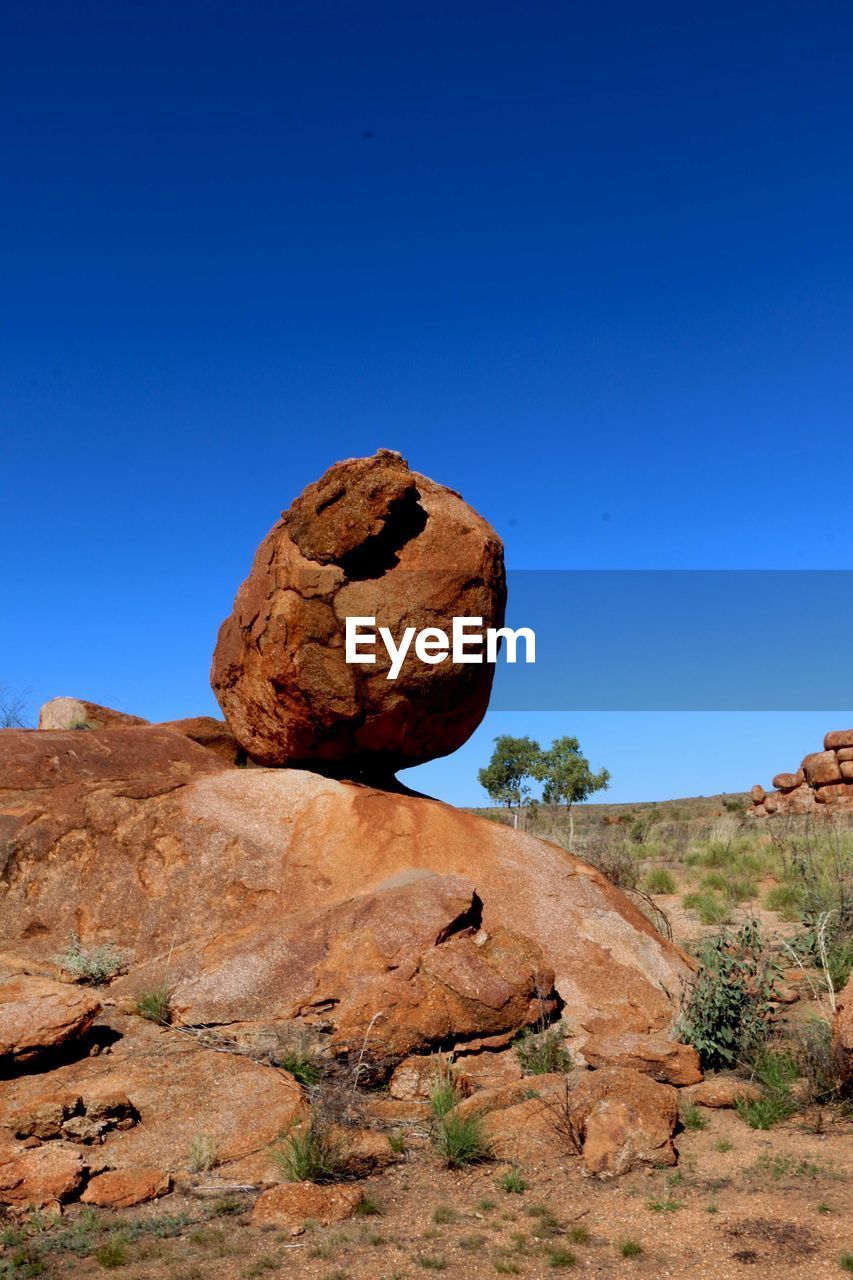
<point>121,1188</point>
<point>38,1016</point>
<point>372,539</point>
<point>842,1031</point>
<point>292,1204</point>
<point>41,1176</point>
<point>358,909</point>
<point>663,1060</point>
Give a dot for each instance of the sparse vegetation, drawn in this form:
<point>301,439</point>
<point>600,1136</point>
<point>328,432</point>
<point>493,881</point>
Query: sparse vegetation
<point>202,1155</point>
<point>657,880</point>
<point>460,1140</point>
<point>313,1152</point>
<point>95,965</point>
<point>542,1052</point>
<point>155,1005</point>
<point>512,1181</point>
<point>630,1248</point>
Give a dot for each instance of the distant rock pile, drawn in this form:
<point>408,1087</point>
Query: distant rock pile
<point>824,778</point>
<point>369,539</point>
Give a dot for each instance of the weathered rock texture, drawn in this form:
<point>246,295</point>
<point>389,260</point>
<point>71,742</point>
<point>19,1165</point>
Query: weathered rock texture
<point>76,713</point>
<point>38,1016</point>
<point>823,782</point>
<point>280,895</point>
<point>369,539</point>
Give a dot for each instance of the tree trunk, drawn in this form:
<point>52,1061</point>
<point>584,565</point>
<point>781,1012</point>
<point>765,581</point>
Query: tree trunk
<point>571,830</point>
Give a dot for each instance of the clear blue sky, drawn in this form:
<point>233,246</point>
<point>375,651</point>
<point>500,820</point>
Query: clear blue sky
<point>589,264</point>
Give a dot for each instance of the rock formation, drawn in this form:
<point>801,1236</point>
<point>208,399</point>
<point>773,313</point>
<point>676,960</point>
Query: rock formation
<point>369,539</point>
<point>825,778</point>
<point>269,906</point>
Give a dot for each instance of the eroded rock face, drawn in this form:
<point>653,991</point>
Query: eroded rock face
<point>369,539</point>
<point>39,1016</point>
<point>292,1204</point>
<point>664,1060</point>
<point>280,895</point>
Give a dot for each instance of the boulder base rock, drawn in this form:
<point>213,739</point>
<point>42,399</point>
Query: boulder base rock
<point>370,539</point>
<point>368,918</point>
<point>625,1119</point>
<point>723,1091</point>
<point>38,1016</point>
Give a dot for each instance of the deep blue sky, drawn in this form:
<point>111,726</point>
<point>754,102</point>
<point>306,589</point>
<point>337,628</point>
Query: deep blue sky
<point>589,264</point>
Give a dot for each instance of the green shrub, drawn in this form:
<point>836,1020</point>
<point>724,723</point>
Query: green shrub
<point>112,1253</point>
<point>561,1258</point>
<point>303,1066</point>
<point>727,1011</point>
<point>710,907</point>
<point>96,965</point>
<point>313,1153</point>
<point>460,1140</point>
<point>784,899</point>
<point>443,1096</point>
<point>630,1248</point>
<point>156,1005</point>
<point>543,1052</point>
<point>657,880</point>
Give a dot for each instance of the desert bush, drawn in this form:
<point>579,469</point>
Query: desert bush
<point>460,1139</point>
<point>658,880</point>
<point>96,965</point>
<point>765,1111</point>
<point>727,1010</point>
<point>785,900</point>
<point>540,1053</point>
<point>314,1152</point>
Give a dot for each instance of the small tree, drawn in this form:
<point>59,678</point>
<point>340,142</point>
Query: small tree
<point>567,778</point>
<point>12,708</point>
<point>514,764</point>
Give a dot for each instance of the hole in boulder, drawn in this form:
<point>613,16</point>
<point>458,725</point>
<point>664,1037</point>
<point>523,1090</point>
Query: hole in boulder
<point>406,519</point>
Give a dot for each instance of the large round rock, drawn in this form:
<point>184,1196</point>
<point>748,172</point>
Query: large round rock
<point>370,539</point>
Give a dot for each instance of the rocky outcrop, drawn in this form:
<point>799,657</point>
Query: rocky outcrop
<point>370,539</point>
<point>76,713</point>
<point>290,1205</point>
<point>663,1060</point>
<point>615,1118</point>
<point>281,895</point>
<point>823,782</point>
<point>39,1016</point>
